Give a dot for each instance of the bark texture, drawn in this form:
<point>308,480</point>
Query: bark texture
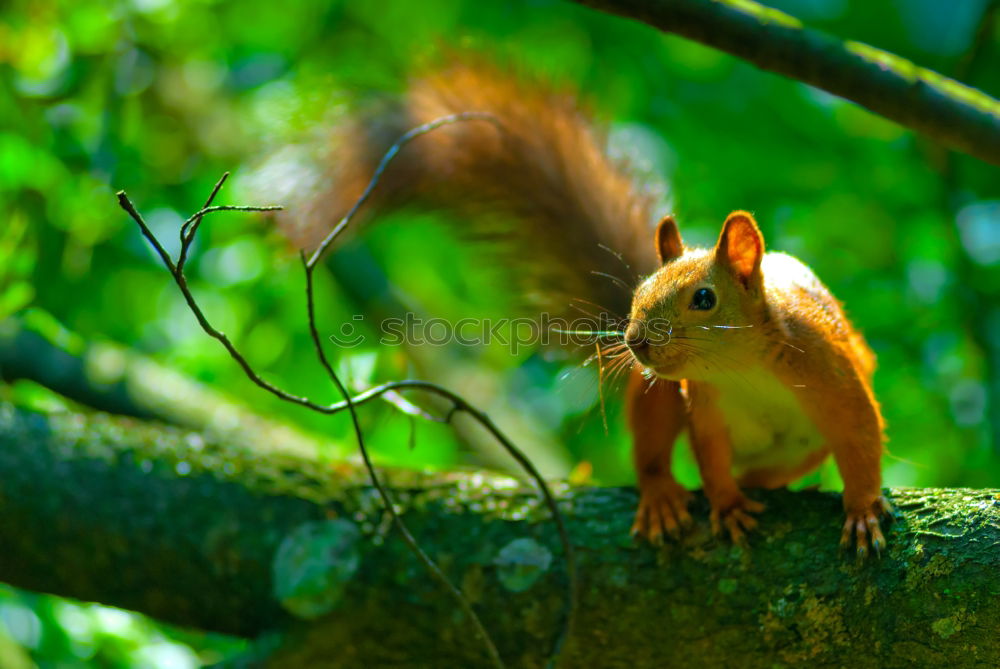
<point>213,536</point>
<point>958,116</point>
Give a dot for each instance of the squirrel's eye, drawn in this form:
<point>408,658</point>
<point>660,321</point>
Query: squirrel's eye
<point>703,299</point>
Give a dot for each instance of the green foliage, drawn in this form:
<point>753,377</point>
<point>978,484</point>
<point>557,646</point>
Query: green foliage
<point>45,631</point>
<point>159,97</point>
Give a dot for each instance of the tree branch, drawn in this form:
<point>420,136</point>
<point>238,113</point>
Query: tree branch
<point>187,233</point>
<point>213,536</point>
<point>111,378</point>
<point>945,110</point>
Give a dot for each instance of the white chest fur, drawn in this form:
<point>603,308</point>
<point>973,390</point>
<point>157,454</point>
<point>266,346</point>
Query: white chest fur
<point>766,424</point>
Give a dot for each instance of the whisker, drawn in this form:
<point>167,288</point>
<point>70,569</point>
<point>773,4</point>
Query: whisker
<point>615,367</point>
<point>584,311</point>
<point>614,349</point>
<point>620,259</point>
<point>605,317</point>
<point>611,351</point>
<point>676,337</point>
<point>604,309</point>
<point>600,389</point>
<point>614,279</point>
<point>603,374</point>
<point>610,363</point>
<point>591,333</point>
<point>721,327</point>
<point>615,254</point>
<point>793,346</point>
<point>613,355</point>
<point>622,364</point>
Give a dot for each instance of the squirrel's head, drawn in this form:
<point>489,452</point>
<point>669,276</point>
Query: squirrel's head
<point>686,317</point>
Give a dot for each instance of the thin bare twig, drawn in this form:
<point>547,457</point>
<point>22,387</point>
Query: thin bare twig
<point>387,502</point>
<point>409,136</point>
<point>181,282</point>
<point>459,404</point>
<point>410,409</point>
<point>176,271</point>
<point>186,239</point>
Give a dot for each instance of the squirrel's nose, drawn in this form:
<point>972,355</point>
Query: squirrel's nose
<point>635,339</point>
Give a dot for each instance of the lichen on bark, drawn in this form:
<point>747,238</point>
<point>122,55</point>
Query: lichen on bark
<point>188,530</point>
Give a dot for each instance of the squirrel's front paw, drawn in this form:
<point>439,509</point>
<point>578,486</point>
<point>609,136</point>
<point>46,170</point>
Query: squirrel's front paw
<point>662,508</point>
<point>734,516</point>
<point>863,526</point>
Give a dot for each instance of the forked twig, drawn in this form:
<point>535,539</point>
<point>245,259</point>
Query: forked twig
<point>419,552</point>
<point>181,282</point>
<point>177,271</point>
<point>459,404</point>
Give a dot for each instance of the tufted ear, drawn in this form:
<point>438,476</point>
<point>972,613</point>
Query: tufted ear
<point>668,240</point>
<point>741,247</point>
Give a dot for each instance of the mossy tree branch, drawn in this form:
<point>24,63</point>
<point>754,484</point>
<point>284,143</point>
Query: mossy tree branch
<point>211,536</point>
<point>176,268</point>
<point>111,378</point>
<point>947,111</point>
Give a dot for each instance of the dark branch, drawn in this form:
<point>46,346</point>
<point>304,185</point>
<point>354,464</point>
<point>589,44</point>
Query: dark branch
<point>181,281</point>
<point>191,531</point>
<point>459,404</point>
<point>945,110</point>
<point>177,272</point>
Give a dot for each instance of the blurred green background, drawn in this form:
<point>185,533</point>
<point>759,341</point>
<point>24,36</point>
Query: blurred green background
<point>159,97</point>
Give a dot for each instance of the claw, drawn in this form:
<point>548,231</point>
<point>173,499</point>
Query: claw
<point>662,510</point>
<point>736,519</point>
<point>863,529</point>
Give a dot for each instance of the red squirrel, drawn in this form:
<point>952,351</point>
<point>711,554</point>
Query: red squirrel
<point>746,350</point>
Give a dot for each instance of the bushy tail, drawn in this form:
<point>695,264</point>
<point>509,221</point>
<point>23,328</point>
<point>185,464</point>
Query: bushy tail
<point>534,182</point>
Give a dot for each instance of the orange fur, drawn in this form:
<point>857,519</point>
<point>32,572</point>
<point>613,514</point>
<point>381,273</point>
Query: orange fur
<point>538,186</point>
<point>775,375</point>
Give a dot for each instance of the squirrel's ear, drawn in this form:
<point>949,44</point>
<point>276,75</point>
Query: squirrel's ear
<point>668,240</point>
<point>741,247</point>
